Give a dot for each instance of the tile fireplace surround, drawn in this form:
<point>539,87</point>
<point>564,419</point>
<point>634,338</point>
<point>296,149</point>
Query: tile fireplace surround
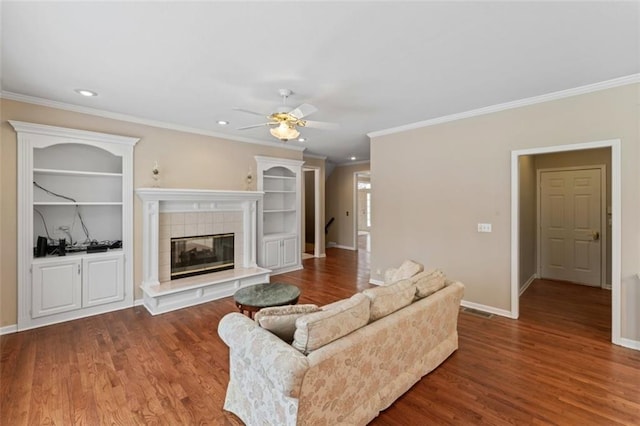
<point>168,213</point>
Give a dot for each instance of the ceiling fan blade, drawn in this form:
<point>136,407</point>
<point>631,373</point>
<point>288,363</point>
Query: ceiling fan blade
<point>321,125</point>
<point>255,125</point>
<point>303,110</point>
<point>250,112</point>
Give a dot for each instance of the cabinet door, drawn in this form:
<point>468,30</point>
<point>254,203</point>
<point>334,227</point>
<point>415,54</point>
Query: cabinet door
<point>289,251</point>
<point>56,287</point>
<point>102,280</point>
<point>271,254</point>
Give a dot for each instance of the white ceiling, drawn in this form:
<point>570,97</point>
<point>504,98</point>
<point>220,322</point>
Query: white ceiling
<point>365,65</point>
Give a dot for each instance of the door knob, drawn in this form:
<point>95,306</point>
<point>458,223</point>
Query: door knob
<point>595,235</point>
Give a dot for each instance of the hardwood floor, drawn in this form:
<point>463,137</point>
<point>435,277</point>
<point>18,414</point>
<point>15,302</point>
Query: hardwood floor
<point>553,366</point>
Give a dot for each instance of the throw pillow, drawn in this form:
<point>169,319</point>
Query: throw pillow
<point>281,320</point>
<point>388,299</point>
<point>320,328</point>
<point>408,269</point>
<point>428,282</point>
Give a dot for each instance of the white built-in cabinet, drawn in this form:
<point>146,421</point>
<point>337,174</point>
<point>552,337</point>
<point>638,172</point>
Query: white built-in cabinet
<point>279,216</point>
<point>92,174</point>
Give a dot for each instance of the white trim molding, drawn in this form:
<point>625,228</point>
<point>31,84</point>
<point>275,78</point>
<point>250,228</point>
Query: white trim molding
<point>527,284</point>
<point>628,343</point>
<point>317,157</point>
<point>8,329</point>
<point>375,282</point>
<point>144,121</point>
<point>340,246</point>
<point>486,308</point>
<point>581,90</point>
<point>353,163</point>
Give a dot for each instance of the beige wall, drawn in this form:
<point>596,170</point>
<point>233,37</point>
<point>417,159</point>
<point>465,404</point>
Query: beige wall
<point>186,161</point>
<point>527,204</point>
<point>434,184</point>
<point>339,201</point>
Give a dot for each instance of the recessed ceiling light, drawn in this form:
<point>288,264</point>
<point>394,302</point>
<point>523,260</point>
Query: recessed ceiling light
<point>85,92</point>
<point>223,122</point>
<point>352,158</point>
<point>302,139</point>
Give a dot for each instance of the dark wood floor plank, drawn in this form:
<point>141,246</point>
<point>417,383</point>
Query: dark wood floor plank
<point>555,365</point>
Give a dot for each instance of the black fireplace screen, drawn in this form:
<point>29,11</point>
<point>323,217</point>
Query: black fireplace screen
<point>202,254</point>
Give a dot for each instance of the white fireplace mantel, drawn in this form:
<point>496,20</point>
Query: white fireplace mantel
<point>162,297</point>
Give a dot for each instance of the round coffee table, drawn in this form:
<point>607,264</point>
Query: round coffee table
<point>253,298</point>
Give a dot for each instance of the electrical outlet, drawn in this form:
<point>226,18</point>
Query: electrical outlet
<point>484,227</point>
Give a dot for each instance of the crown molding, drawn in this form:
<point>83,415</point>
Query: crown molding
<point>353,163</point>
<point>133,119</point>
<point>42,129</point>
<point>317,157</point>
<point>581,90</point>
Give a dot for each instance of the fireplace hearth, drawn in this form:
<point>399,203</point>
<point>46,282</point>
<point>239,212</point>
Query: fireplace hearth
<point>201,254</point>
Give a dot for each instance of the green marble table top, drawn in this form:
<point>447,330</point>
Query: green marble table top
<point>265,295</point>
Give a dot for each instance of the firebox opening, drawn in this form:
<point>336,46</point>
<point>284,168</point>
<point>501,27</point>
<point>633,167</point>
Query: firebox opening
<point>201,254</point>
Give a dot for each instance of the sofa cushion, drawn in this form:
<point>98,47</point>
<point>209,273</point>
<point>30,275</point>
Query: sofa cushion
<point>281,320</point>
<point>408,269</point>
<point>334,305</point>
<point>428,282</point>
<point>320,328</point>
<point>388,299</point>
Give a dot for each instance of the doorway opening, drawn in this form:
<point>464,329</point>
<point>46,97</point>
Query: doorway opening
<point>311,217</point>
<point>526,262</point>
<point>362,207</point>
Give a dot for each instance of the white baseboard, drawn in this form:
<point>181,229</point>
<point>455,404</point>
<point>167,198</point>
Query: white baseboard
<point>527,284</point>
<point>485,308</point>
<point>375,282</point>
<point>344,247</point>
<point>628,343</point>
<point>138,302</point>
<point>8,329</point>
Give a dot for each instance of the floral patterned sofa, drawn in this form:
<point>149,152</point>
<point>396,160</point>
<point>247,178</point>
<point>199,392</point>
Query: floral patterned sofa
<point>348,360</point>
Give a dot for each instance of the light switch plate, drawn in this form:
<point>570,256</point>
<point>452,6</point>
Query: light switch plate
<point>484,227</point>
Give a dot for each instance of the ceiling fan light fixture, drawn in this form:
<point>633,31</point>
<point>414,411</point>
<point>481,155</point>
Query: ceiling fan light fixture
<point>284,132</point>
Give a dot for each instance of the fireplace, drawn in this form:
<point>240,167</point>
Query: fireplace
<point>201,254</point>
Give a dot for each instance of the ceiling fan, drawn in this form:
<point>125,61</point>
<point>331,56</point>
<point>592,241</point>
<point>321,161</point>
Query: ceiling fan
<point>284,122</point>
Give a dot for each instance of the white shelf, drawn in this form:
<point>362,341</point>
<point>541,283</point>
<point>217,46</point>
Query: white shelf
<point>52,258</point>
<point>280,177</point>
<point>278,235</point>
<point>71,203</point>
<point>74,173</point>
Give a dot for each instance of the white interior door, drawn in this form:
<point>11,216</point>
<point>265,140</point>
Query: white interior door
<point>570,225</point>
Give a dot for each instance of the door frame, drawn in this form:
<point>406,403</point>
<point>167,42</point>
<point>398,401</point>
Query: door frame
<point>603,216</point>
<point>616,232</point>
<point>317,224</point>
<point>355,205</point>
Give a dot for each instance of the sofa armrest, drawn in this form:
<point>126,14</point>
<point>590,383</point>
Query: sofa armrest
<point>272,358</point>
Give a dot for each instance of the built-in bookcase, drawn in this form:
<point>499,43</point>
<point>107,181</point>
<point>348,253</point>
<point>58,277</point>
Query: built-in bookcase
<point>77,186</point>
<point>279,216</point>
